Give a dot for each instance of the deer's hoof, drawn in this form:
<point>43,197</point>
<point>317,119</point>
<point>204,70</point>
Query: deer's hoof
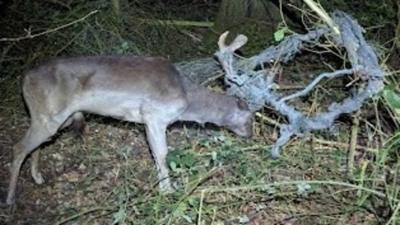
<point>38,178</point>
<point>166,188</point>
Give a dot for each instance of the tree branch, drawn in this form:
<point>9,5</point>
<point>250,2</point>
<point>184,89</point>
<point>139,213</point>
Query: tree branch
<point>29,35</point>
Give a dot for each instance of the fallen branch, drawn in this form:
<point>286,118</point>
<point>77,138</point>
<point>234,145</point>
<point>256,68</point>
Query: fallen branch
<point>353,143</point>
<point>182,23</point>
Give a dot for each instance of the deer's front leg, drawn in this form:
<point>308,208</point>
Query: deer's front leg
<point>156,136</point>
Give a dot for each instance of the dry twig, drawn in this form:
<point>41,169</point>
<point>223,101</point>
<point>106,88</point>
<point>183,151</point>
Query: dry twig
<point>29,35</point>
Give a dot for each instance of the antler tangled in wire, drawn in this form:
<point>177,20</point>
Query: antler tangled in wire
<point>247,81</point>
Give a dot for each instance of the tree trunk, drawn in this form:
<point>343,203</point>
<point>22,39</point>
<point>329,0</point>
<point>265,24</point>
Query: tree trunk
<point>233,13</point>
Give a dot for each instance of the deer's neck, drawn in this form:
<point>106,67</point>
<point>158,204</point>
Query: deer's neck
<point>205,106</point>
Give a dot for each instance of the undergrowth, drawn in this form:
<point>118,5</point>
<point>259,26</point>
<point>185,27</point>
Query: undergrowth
<point>223,180</point>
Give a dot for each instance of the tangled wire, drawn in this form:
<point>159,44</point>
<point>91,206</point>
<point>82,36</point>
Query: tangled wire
<point>246,80</point>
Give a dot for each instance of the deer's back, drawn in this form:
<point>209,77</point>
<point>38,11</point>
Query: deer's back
<point>102,82</point>
<point>108,73</point>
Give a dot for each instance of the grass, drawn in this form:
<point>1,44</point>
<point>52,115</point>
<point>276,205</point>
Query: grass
<point>230,181</point>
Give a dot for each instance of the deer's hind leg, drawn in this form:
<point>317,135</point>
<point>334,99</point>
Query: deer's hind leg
<point>39,131</point>
<point>78,125</point>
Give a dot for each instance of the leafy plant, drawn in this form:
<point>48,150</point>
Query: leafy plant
<point>392,98</point>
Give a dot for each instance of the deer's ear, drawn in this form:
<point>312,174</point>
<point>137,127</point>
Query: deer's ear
<point>242,104</point>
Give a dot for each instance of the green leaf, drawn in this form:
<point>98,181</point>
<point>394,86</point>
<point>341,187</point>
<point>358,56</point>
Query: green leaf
<point>279,35</point>
<point>172,165</point>
<point>188,160</point>
<point>392,98</point>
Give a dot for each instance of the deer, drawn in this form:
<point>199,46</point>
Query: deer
<point>140,89</point>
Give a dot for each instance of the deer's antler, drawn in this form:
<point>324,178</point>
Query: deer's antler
<point>239,41</point>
